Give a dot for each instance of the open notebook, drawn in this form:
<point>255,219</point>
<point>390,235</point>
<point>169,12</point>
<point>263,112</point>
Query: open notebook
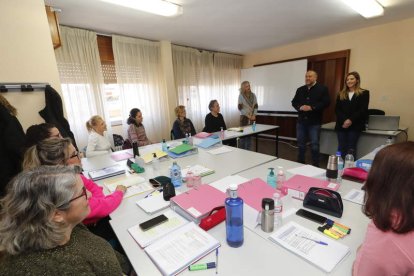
<point>301,241</point>
<point>180,248</point>
<point>135,185</point>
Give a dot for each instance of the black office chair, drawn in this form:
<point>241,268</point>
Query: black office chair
<point>172,134</point>
<point>376,112</point>
<point>118,140</point>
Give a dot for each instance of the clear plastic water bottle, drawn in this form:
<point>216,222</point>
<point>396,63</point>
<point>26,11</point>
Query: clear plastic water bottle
<point>186,139</point>
<point>340,166</point>
<point>221,133</point>
<point>155,162</point>
<point>349,160</point>
<point>234,218</point>
<point>164,146</point>
<point>190,139</point>
<point>281,177</point>
<point>278,210</point>
<point>175,174</point>
<point>388,141</point>
<point>271,178</point>
<point>254,126</point>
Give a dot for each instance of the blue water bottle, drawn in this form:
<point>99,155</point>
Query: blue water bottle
<point>254,126</point>
<point>234,218</point>
<point>175,174</point>
<point>271,178</point>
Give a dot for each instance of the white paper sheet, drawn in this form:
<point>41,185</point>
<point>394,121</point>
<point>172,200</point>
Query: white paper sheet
<point>224,183</point>
<point>307,170</point>
<point>220,150</point>
<point>356,196</point>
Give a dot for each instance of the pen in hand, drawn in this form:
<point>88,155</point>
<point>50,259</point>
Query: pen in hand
<point>306,238</point>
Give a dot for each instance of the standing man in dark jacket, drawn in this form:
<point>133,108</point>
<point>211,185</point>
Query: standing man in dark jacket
<point>310,100</point>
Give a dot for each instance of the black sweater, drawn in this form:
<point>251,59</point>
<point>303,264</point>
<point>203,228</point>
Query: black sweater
<point>213,124</point>
<point>317,97</point>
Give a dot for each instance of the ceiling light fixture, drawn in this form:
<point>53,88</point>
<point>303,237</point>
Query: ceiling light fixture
<point>367,8</point>
<point>159,7</point>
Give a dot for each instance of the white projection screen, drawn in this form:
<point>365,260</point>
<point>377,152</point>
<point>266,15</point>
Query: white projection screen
<point>275,85</point>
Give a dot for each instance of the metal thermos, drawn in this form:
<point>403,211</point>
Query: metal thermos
<point>268,215</point>
<point>332,167</point>
<point>135,149</point>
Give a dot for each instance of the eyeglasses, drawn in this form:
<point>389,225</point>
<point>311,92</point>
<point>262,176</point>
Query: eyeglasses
<point>75,154</point>
<point>84,193</point>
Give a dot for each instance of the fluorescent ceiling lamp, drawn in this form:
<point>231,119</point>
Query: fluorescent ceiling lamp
<point>367,8</point>
<point>159,7</point>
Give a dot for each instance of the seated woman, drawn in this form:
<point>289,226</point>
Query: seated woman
<point>62,152</point>
<point>40,230</point>
<point>97,143</point>
<point>136,130</point>
<point>214,120</point>
<point>182,125</point>
<point>388,248</point>
<point>36,133</point>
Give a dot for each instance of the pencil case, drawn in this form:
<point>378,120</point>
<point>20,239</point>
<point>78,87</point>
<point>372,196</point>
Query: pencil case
<point>216,216</point>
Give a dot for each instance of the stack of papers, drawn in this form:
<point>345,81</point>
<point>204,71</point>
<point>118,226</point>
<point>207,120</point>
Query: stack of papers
<point>181,148</point>
<point>154,203</point>
<point>305,243</point>
<point>107,172</point>
<point>145,238</point>
<point>179,249</point>
<point>135,185</point>
<point>208,142</point>
<point>197,170</point>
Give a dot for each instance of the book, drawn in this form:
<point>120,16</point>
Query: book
<point>145,238</point>
<point>190,152</point>
<point>154,203</point>
<point>298,185</point>
<point>176,251</point>
<point>304,243</point>
<point>208,142</point>
<point>196,203</point>
<point>148,157</point>
<point>197,170</point>
<point>122,155</point>
<point>181,148</point>
<point>107,172</point>
<point>253,191</point>
<point>135,185</point>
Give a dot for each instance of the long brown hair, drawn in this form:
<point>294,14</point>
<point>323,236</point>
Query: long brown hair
<point>343,94</point>
<point>390,188</point>
<point>4,102</point>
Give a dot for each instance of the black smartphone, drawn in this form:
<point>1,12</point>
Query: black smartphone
<point>311,216</point>
<point>146,225</point>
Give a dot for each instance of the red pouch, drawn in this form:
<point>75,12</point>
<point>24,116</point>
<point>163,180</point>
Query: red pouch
<point>216,216</point>
<point>355,174</point>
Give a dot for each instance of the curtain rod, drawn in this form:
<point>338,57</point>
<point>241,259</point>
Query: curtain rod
<point>22,87</point>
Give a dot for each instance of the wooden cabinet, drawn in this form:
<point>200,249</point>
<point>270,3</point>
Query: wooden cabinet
<point>54,26</point>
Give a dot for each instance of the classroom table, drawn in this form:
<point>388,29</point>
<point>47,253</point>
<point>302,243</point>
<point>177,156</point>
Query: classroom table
<point>258,255</point>
<point>248,131</point>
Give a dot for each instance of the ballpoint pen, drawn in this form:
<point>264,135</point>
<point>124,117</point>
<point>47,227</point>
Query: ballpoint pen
<point>318,242</point>
<point>150,194</point>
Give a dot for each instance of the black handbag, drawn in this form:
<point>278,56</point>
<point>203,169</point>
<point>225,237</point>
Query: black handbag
<point>324,201</point>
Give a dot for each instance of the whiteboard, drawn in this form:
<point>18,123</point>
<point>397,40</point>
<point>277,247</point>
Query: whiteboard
<point>275,85</point>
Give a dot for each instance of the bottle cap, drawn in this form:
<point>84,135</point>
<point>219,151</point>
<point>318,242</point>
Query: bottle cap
<point>338,153</point>
<point>268,202</point>
<point>271,171</point>
<point>233,187</point>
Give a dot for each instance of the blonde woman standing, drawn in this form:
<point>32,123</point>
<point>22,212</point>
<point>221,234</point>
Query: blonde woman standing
<point>351,113</point>
<point>98,144</point>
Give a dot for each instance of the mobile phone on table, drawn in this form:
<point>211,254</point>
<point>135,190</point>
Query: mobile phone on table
<point>311,216</point>
<point>146,225</point>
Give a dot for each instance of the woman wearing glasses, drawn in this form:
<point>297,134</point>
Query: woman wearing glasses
<point>62,152</point>
<point>40,230</point>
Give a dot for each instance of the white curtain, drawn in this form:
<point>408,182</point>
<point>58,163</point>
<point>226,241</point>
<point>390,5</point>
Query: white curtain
<point>201,76</point>
<point>81,80</point>
<point>141,83</point>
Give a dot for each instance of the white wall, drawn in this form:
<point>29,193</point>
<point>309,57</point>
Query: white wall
<point>26,55</point>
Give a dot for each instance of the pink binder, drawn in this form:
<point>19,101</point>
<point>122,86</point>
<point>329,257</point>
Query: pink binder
<point>253,191</point>
<point>199,202</point>
<point>298,185</point>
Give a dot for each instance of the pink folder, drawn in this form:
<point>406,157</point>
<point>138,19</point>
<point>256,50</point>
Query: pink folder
<point>253,191</point>
<point>203,134</point>
<point>199,202</point>
<point>298,185</point>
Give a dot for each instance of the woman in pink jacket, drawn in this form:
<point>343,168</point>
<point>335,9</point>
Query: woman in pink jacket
<point>62,152</point>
